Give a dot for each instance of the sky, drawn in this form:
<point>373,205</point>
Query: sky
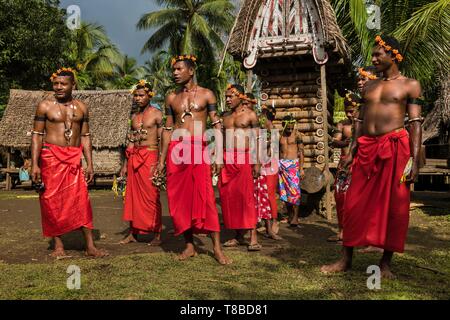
<point>119,18</point>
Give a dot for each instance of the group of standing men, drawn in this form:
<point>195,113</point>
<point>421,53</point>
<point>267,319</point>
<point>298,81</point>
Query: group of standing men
<point>377,148</point>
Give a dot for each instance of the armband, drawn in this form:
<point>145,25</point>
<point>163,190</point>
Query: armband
<point>211,107</point>
<point>40,118</point>
<point>419,101</point>
<point>420,119</point>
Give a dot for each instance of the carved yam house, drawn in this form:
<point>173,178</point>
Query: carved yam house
<point>298,52</point>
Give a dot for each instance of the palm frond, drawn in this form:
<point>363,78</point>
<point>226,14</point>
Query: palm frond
<point>161,17</point>
<point>160,37</point>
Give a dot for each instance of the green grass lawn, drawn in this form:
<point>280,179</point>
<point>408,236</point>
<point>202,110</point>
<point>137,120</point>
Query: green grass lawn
<point>290,271</point>
<point>291,274</point>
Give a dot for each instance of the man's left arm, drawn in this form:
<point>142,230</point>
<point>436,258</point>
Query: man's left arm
<point>216,122</point>
<point>414,109</point>
<point>87,145</point>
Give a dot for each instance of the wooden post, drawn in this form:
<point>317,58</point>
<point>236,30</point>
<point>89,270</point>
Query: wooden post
<point>248,87</point>
<point>8,175</point>
<point>323,83</point>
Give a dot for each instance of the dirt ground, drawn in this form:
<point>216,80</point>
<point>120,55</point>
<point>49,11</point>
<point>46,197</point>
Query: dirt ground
<point>21,240</point>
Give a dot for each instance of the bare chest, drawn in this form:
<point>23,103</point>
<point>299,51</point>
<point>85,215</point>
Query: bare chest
<point>65,113</point>
<point>146,119</point>
<point>188,101</point>
<point>387,92</point>
<point>239,120</point>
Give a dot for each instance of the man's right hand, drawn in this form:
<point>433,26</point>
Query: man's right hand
<point>123,171</point>
<point>35,174</point>
<point>159,169</point>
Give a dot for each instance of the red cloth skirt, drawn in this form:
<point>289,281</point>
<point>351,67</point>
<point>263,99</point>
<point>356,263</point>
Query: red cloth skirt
<point>65,204</point>
<point>142,204</point>
<point>189,188</point>
<point>236,188</point>
<point>377,204</point>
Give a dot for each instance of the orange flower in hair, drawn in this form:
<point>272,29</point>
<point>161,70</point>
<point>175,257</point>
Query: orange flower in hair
<point>142,83</point>
<point>381,43</point>
<point>182,58</point>
<point>366,74</point>
<point>57,73</point>
<point>235,91</point>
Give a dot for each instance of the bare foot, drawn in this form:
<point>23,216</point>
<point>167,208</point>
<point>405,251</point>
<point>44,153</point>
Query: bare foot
<point>371,249</point>
<point>386,272</point>
<point>221,258</point>
<point>275,227</point>
<point>130,238</point>
<point>96,253</point>
<point>340,266</point>
<point>335,238</point>
<point>186,254</point>
<point>59,254</point>
<point>254,247</point>
<point>155,242</point>
<point>273,236</point>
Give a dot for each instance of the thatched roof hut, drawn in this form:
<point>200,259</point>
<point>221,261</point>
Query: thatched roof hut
<point>109,114</point>
<point>274,28</point>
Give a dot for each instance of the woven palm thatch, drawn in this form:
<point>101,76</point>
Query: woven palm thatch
<point>241,32</point>
<point>109,112</point>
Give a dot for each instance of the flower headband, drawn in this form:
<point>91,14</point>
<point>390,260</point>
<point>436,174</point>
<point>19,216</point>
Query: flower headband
<point>383,44</point>
<point>237,93</point>
<point>348,96</point>
<point>57,73</point>
<point>182,58</point>
<point>367,74</point>
<point>142,83</point>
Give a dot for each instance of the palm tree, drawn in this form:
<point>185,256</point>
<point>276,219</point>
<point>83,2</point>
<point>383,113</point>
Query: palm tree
<point>422,26</point>
<point>189,26</point>
<point>126,73</point>
<point>158,73</point>
<point>93,54</point>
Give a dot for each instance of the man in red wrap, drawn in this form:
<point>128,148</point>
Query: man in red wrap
<point>190,193</point>
<point>385,161</point>
<point>341,139</point>
<point>142,203</point>
<point>59,137</point>
<point>236,185</point>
